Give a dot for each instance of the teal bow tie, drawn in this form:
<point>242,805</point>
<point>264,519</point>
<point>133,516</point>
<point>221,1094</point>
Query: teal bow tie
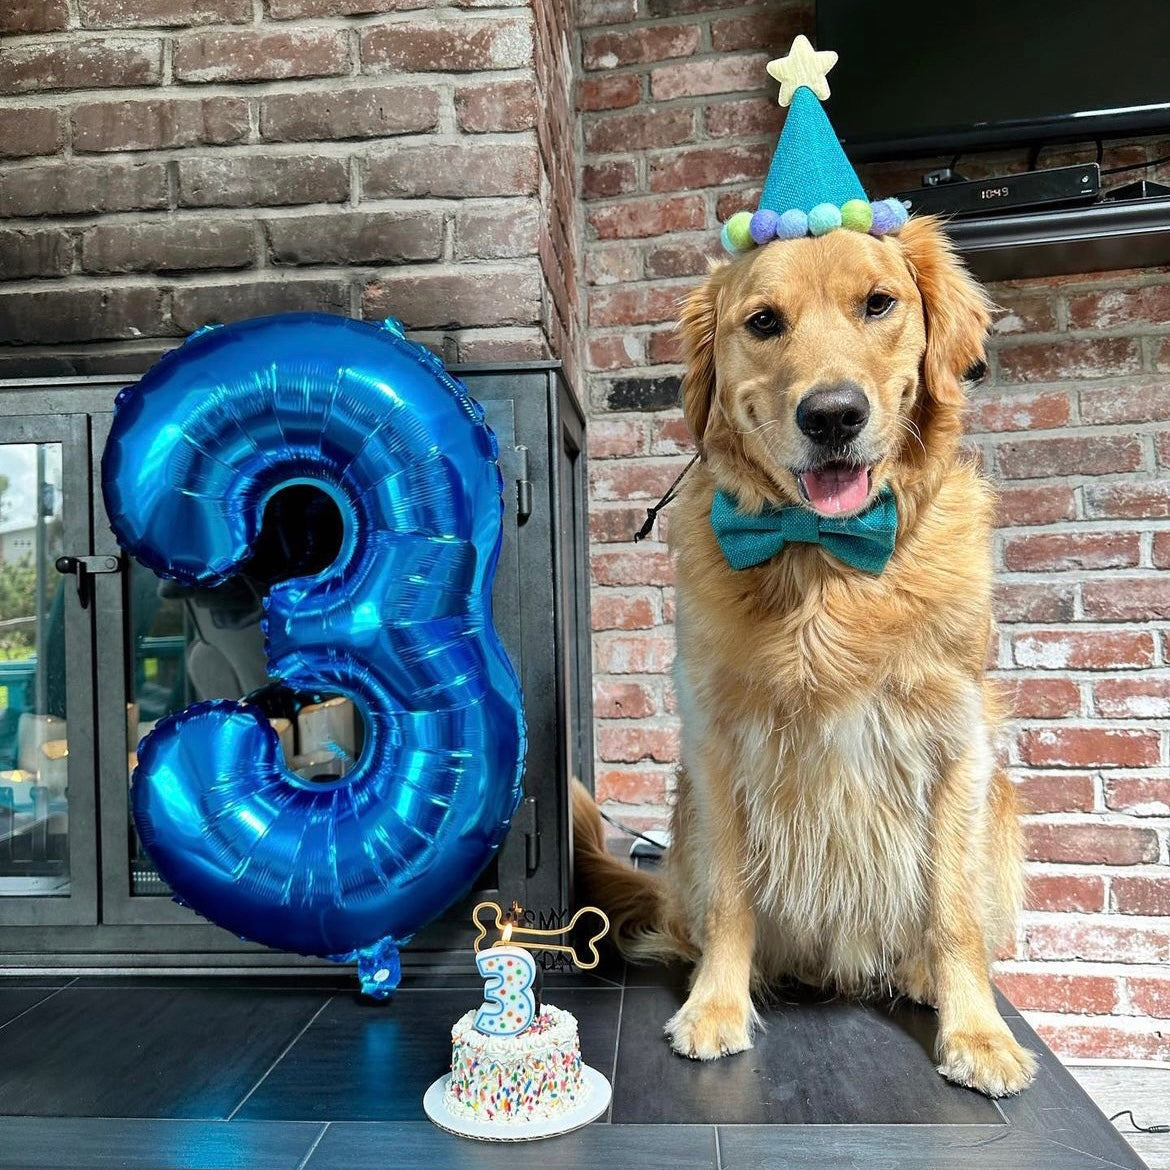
<point>864,541</point>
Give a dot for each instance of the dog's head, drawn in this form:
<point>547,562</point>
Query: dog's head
<point>819,370</point>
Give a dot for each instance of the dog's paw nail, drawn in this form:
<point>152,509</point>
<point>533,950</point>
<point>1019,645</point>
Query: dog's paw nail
<point>710,1031</point>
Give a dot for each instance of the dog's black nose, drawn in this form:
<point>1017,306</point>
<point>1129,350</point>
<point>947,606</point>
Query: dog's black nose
<point>832,415</point>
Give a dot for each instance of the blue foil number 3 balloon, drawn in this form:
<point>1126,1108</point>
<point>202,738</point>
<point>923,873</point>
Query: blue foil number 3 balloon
<point>400,623</point>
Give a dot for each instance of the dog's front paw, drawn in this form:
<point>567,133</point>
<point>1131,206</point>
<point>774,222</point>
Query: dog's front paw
<point>991,1061</point>
<point>707,1030</point>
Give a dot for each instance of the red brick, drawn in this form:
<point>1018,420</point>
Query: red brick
<point>290,9</point>
<point>620,611</point>
<point>632,479</point>
<point>743,118</point>
<point>710,75</point>
<point>1033,603</point>
<point>1084,455</point>
<point>689,170</point>
<point>615,525</point>
<point>1140,796</point>
<point>1065,892</point>
<point>1098,941</point>
<point>92,63</point>
<point>628,745</point>
<point>732,201</point>
<point>605,179</point>
<point>1040,697</point>
<point>1150,995</point>
<point>1140,697</point>
<point>496,106</point>
<point>1097,1040</point>
<point>1024,311</point>
<point>636,306</point>
<point>81,314</point>
<point>610,437</point>
<point>613,351</point>
<point>1021,506</point>
<point>1018,412</point>
<point>593,12</point>
<point>33,16</point>
<point>502,345</point>
<point>1142,895</point>
<point>627,786</point>
<point>454,172</point>
<point>622,700</point>
<point>614,265</point>
<point>162,13</point>
<point>261,55</point>
<point>766,29</point>
<point>1082,649</point>
<point>641,131</point>
<point>1132,402</point>
<point>670,435</point>
<point>466,46</point>
<point>1059,551</point>
<point>371,112</point>
<point>617,92</point>
<point>1146,500</point>
<point>168,246</point>
<point>1060,361</point>
<point>492,233</point>
<point>638,46</point>
<point>351,237</point>
<point>680,259</point>
<point>247,180</point>
<point>1127,599</point>
<point>1046,792</point>
<point>665,347</point>
<point>648,218</point>
<point>1043,992</point>
<point>639,567</point>
<point>1087,747</point>
<point>75,188</point>
<point>467,296</point>
<point>158,125</point>
<point>1091,844</point>
<point>30,131</point>
<point>648,653</point>
<point>1114,307</point>
<point>1162,443</point>
<point>193,305</point>
<point>35,252</point>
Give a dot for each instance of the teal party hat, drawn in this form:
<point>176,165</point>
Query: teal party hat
<point>811,187</point>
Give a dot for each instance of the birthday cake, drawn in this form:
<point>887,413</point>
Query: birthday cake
<point>526,1077</point>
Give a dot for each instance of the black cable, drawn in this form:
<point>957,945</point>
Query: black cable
<point>1153,162</point>
<point>632,832</point>
<point>668,495</point>
<point>1140,1128</point>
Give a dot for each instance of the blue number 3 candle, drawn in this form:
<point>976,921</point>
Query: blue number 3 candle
<point>509,1001</point>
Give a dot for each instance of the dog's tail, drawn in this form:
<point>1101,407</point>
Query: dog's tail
<point>642,924</point>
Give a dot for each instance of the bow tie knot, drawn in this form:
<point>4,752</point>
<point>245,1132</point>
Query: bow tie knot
<point>864,541</point>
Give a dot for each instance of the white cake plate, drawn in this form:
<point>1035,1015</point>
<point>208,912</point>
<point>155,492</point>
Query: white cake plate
<point>594,1103</point>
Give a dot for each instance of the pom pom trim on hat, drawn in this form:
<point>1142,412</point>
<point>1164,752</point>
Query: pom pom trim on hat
<point>745,231</point>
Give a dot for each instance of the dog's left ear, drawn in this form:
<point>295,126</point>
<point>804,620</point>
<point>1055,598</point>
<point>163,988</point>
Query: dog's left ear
<point>957,310</point>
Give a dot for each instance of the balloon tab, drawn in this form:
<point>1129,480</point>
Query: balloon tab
<point>380,969</point>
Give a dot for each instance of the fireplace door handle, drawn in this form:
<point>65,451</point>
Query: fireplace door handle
<point>85,568</point>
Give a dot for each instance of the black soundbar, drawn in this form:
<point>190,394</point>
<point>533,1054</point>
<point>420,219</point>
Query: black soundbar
<point>1077,184</point>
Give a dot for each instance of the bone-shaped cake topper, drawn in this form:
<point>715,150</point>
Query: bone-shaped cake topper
<point>513,934</point>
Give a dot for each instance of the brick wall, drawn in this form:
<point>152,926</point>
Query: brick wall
<point>678,124</point>
<point>166,163</point>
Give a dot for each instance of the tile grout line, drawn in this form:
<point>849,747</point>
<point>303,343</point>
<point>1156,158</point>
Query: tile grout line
<point>33,1006</point>
<point>316,1142</point>
<point>282,1054</point>
<point>617,1040</point>
<point>718,1150</point>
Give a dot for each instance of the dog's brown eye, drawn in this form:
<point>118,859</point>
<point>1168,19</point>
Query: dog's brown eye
<point>765,323</point>
<point>878,304</point>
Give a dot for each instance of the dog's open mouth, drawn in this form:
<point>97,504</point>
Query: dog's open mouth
<point>833,488</point>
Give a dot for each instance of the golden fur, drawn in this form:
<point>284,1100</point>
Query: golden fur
<point>839,816</point>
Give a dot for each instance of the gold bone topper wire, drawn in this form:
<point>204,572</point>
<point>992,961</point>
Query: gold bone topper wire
<point>531,933</point>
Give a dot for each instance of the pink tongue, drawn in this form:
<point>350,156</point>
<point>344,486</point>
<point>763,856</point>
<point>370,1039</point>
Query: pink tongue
<point>836,489</point>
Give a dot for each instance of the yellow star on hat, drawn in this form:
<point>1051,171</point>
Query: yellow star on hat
<point>803,66</point>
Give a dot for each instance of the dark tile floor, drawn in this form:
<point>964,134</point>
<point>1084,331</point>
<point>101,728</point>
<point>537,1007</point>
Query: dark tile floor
<point>269,1074</point>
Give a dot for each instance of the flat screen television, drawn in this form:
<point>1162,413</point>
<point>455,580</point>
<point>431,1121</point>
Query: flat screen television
<point>936,76</point>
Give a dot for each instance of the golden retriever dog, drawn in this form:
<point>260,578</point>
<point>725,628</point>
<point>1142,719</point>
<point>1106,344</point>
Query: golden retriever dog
<point>840,816</point>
